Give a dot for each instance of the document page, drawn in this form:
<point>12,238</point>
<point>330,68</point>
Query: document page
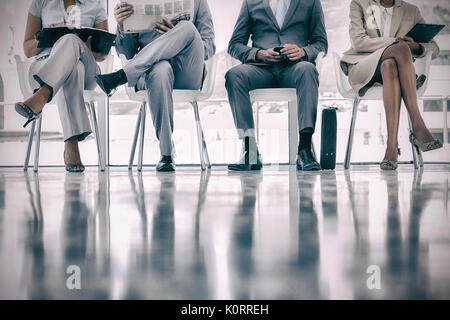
<point>148,12</point>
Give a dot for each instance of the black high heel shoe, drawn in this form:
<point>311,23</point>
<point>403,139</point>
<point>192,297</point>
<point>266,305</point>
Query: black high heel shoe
<point>25,111</point>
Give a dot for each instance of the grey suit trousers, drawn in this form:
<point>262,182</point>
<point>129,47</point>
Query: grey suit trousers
<point>244,78</point>
<point>69,70</point>
<point>173,61</point>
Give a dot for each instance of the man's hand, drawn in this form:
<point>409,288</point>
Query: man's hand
<point>269,56</point>
<point>414,46</point>
<point>293,52</point>
<point>163,27</point>
<point>122,11</point>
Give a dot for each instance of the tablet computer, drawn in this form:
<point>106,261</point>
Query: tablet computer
<point>424,33</point>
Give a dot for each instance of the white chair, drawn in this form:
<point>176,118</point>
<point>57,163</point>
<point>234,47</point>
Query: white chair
<point>180,96</point>
<point>90,98</point>
<point>283,95</point>
<point>376,93</point>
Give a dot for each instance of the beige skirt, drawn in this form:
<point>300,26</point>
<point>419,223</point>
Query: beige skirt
<point>361,73</point>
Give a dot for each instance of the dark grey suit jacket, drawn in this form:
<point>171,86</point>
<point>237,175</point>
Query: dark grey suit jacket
<point>304,26</point>
<point>131,44</point>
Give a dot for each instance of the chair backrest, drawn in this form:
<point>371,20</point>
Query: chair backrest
<point>422,67</point>
<point>208,84</point>
<point>210,80</point>
<point>22,73</point>
<point>342,83</point>
<point>231,62</point>
<point>319,61</point>
<point>131,93</point>
<point>107,65</point>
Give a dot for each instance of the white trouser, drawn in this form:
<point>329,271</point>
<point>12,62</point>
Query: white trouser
<point>70,67</point>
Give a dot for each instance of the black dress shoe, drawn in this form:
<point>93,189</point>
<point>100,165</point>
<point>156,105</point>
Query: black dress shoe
<point>307,162</point>
<point>109,82</point>
<point>246,165</point>
<point>166,164</point>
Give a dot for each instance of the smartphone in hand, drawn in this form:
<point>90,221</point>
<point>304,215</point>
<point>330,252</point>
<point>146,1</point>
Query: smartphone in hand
<point>278,49</point>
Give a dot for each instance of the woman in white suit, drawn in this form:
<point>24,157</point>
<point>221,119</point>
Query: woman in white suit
<point>64,70</point>
<point>381,53</point>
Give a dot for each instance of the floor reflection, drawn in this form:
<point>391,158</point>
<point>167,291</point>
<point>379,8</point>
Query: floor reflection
<point>279,234</point>
<point>306,266</point>
<point>241,239</point>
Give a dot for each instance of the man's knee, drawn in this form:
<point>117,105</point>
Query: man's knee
<point>305,71</point>
<point>235,76</point>
<point>188,28</point>
<point>160,73</point>
<point>389,68</point>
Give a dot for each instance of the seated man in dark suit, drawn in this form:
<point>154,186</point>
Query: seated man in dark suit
<point>298,27</point>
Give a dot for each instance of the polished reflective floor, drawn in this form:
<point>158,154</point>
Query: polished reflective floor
<point>281,234</point>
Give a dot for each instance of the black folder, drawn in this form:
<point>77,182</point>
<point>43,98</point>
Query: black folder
<point>101,42</point>
<point>424,33</point>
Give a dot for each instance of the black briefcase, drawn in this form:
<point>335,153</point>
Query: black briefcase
<point>329,139</point>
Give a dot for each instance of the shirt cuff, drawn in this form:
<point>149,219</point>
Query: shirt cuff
<point>308,54</point>
<point>252,55</point>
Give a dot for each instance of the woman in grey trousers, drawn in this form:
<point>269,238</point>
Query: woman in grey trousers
<point>65,70</point>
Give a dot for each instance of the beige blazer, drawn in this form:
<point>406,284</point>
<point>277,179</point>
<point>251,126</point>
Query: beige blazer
<point>365,38</point>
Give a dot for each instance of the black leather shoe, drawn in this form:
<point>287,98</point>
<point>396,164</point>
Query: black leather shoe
<point>307,162</point>
<point>109,82</point>
<point>166,164</point>
<point>245,164</point>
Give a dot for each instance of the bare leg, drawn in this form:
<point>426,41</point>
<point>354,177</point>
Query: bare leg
<point>38,100</point>
<point>72,153</point>
<point>392,103</point>
<point>401,53</point>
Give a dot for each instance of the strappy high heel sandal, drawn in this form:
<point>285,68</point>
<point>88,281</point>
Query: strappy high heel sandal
<point>25,111</point>
<point>425,147</point>
<point>73,167</point>
<point>390,165</point>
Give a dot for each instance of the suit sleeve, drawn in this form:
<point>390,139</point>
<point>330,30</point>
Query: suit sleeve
<point>428,47</point>
<point>317,33</point>
<point>238,45</point>
<point>361,41</point>
<point>127,44</point>
<point>205,27</point>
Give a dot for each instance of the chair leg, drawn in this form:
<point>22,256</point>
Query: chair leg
<point>135,139</point>
<point>37,145</point>
<point>97,136</point>
<point>293,131</point>
<point>348,154</point>
<point>141,144</point>
<point>257,122</point>
<point>417,154</point>
<point>445,110</point>
<point>203,150</point>
<point>30,144</point>
<point>313,149</point>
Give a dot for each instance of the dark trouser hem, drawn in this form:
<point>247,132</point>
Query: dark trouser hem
<point>80,137</point>
<point>42,83</point>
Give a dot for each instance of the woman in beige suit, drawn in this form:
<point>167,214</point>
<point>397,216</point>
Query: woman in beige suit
<point>381,53</point>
